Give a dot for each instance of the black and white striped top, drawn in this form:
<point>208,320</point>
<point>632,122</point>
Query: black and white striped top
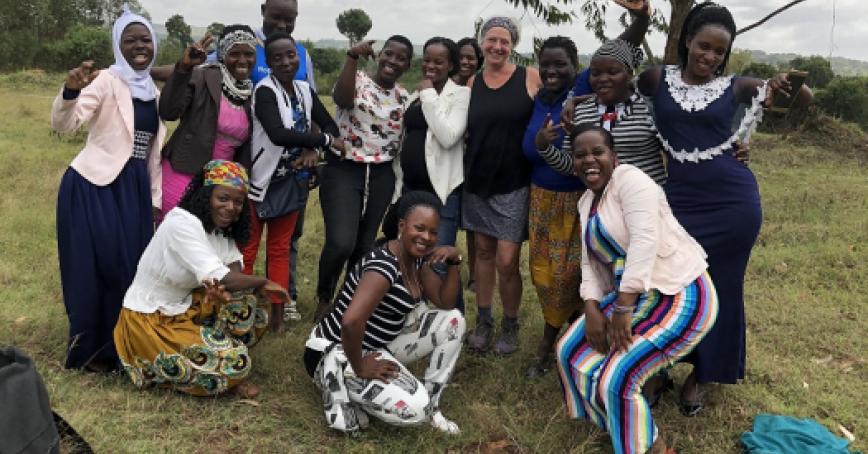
<point>387,320</point>
<point>635,138</point>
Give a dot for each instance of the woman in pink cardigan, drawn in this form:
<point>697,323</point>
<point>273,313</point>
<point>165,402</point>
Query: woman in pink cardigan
<point>648,297</point>
<point>107,195</point>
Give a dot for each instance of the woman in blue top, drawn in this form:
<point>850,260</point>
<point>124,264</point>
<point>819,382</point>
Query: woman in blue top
<point>554,232</point>
<point>713,195</point>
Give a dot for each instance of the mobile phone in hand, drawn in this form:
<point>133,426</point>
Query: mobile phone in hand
<point>782,103</point>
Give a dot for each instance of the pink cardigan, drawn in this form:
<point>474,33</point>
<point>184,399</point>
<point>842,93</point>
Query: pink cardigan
<point>660,253</point>
<point>106,105</point>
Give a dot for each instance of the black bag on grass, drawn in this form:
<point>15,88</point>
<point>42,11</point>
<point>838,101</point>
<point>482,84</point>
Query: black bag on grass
<point>27,424</point>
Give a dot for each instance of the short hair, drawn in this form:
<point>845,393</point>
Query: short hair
<point>406,205</point>
<point>561,42</point>
<point>472,42</point>
<point>197,201</point>
<point>708,13</point>
<point>451,48</point>
<point>276,36</point>
<point>582,128</point>
<point>401,39</point>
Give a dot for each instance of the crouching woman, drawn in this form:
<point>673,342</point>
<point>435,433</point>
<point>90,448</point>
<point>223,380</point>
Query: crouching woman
<point>648,297</point>
<point>381,321</point>
<point>190,314</point>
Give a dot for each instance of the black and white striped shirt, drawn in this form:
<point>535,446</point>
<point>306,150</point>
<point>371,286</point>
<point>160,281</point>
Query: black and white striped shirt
<point>635,137</point>
<point>387,320</point>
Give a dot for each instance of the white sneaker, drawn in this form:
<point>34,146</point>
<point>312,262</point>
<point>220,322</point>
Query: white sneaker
<point>290,312</point>
<point>439,422</point>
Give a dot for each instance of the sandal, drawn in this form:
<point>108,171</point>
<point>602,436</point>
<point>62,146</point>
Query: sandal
<point>689,407</point>
<point>246,390</point>
<point>539,367</point>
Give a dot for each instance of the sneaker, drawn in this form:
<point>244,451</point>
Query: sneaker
<point>507,343</point>
<point>290,311</point>
<point>480,338</point>
<point>439,422</point>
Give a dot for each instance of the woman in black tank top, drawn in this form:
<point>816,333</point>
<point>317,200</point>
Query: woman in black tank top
<point>496,185</point>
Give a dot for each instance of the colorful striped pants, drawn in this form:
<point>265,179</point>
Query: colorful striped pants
<point>606,389</point>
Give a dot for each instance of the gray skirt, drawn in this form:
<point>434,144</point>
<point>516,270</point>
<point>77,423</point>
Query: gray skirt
<point>502,216</point>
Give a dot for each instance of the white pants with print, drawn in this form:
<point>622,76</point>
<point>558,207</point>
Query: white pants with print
<point>404,400</point>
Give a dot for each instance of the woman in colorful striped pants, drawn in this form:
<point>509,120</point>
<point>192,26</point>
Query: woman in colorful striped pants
<point>648,297</point>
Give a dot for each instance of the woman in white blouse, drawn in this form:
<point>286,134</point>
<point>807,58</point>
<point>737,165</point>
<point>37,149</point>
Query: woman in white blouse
<point>190,314</point>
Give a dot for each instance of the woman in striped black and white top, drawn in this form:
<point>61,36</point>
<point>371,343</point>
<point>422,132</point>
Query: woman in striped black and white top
<point>381,321</point>
<point>619,109</point>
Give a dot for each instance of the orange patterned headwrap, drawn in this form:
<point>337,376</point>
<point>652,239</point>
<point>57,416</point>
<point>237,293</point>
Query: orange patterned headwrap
<point>226,173</point>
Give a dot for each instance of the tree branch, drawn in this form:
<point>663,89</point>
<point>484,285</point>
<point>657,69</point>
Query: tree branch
<point>773,14</point>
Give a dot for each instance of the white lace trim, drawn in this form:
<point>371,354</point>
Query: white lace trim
<point>752,117</point>
<point>694,98</point>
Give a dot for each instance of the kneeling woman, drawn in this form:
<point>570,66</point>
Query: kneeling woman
<point>648,297</point>
<point>381,321</point>
<point>180,327</point>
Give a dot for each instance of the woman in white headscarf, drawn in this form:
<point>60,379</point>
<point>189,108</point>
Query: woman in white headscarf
<point>108,194</point>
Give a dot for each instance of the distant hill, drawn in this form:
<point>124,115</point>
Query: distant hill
<point>840,66</point>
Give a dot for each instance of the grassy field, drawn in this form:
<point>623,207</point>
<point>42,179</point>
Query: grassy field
<point>806,302</point>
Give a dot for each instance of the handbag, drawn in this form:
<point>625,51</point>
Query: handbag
<point>284,195</point>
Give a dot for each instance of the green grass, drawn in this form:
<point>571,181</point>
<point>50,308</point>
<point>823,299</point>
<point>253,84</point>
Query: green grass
<point>806,304</point>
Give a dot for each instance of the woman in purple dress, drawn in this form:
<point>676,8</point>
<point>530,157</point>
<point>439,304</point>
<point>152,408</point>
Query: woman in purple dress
<point>712,194</point>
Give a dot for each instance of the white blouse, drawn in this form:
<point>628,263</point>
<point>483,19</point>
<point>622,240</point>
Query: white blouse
<point>179,257</point>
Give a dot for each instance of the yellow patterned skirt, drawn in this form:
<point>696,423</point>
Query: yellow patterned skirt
<point>202,352</point>
<point>556,253</point>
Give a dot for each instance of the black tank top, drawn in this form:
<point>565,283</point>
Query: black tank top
<point>496,122</point>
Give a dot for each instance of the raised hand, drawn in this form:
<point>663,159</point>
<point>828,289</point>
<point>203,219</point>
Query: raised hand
<point>547,134</point>
<point>363,49</point>
<point>81,77</point>
<point>641,7</point>
<point>777,84</point>
<point>195,54</point>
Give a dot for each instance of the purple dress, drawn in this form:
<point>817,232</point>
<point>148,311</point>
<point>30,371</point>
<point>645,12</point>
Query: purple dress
<point>716,198</point>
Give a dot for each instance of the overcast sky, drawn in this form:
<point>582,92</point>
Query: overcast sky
<point>804,29</point>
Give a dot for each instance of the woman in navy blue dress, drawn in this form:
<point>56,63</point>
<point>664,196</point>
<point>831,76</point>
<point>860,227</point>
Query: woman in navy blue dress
<point>713,195</point>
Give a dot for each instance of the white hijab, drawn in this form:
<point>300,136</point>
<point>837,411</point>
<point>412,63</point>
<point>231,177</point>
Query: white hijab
<point>140,82</point>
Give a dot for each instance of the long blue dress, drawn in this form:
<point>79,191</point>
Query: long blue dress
<point>716,198</point>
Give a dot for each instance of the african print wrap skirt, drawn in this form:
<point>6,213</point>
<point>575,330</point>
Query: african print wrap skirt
<point>556,253</point>
<point>202,352</point>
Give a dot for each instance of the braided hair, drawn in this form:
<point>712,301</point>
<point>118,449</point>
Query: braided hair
<point>708,13</point>
<point>403,207</point>
<point>561,42</point>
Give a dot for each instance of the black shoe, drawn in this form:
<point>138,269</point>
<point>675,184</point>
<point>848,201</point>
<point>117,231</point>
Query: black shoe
<point>662,383</point>
<point>538,367</point>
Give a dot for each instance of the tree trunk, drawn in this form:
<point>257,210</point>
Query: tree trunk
<point>680,9</point>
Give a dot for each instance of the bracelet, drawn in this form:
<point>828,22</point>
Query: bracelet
<point>624,309</point>
<point>352,55</point>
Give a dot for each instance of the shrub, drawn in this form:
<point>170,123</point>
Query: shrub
<point>759,70</point>
<point>79,44</point>
<point>847,98</point>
